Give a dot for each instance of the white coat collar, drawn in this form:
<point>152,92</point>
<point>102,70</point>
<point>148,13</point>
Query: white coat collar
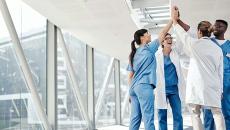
<point>205,37</point>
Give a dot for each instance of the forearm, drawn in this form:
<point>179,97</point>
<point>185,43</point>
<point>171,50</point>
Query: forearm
<point>129,81</point>
<point>130,77</point>
<point>185,39</point>
<point>165,30</point>
<point>167,27</point>
<point>185,26</point>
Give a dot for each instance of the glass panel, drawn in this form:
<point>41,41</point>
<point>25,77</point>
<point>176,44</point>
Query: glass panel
<point>69,115</point>
<point>107,113</point>
<point>125,105</point>
<point>18,111</point>
<point>33,39</point>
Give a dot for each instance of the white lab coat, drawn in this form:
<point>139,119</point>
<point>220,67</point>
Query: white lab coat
<point>205,74</point>
<point>160,95</point>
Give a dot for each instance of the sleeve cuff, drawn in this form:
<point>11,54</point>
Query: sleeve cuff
<point>177,28</point>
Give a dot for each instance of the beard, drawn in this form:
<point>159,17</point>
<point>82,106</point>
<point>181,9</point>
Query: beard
<point>216,34</point>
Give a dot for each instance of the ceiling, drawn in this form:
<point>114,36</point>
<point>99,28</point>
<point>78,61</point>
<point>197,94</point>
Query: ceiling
<point>194,11</point>
<point>102,24</point>
<point>108,25</point>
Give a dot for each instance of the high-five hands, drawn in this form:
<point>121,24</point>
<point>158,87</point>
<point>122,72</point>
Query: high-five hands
<point>175,14</point>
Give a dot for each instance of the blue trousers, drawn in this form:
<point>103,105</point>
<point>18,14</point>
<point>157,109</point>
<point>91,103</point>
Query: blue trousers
<point>142,106</point>
<point>208,118</point>
<point>175,104</point>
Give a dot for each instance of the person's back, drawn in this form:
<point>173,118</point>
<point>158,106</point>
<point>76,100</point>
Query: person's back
<point>144,64</point>
<point>142,79</point>
<point>219,28</point>
<point>205,71</point>
<point>205,76</point>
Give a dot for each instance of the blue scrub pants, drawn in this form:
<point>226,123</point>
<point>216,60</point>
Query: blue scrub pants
<point>142,105</point>
<point>175,104</point>
<point>208,118</point>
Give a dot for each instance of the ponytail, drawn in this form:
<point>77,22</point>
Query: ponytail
<point>133,51</point>
<point>137,40</point>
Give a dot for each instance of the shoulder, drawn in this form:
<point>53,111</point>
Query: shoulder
<point>218,49</point>
<point>213,38</point>
<point>228,42</point>
<point>198,42</point>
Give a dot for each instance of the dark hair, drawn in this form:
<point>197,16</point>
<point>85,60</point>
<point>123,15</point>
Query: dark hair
<point>167,34</point>
<point>223,21</point>
<point>205,28</point>
<point>137,40</point>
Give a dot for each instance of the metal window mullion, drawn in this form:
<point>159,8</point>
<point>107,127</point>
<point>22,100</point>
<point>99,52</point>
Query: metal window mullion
<point>23,64</point>
<point>117,92</point>
<point>90,84</point>
<point>51,74</point>
<point>70,70</point>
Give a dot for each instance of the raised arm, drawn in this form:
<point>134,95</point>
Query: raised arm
<point>185,26</point>
<point>184,37</point>
<point>164,31</point>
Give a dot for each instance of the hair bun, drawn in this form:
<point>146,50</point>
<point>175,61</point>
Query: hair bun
<point>211,29</point>
<point>206,28</point>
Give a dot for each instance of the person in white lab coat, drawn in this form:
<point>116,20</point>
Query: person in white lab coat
<point>205,75</point>
<point>170,84</point>
<point>219,29</point>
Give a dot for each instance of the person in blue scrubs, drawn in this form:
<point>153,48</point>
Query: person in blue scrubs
<point>220,28</point>
<point>171,89</point>
<point>142,78</point>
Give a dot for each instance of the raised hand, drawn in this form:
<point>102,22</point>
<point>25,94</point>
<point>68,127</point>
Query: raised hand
<point>175,14</point>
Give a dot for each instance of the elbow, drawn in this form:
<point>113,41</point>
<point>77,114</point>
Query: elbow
<point>187,28</point>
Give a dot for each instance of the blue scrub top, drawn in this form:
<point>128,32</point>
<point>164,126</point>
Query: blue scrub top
<point>171,79</point>
<point>226,52</point>
<point>144,64</point>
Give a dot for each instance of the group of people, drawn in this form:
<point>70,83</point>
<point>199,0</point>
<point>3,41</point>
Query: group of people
<point>156,78</point>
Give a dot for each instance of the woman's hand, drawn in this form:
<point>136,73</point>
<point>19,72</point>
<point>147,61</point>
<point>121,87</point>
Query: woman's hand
<point>175,14</point>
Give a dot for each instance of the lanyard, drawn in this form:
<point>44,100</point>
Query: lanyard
<point>214,40</point>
